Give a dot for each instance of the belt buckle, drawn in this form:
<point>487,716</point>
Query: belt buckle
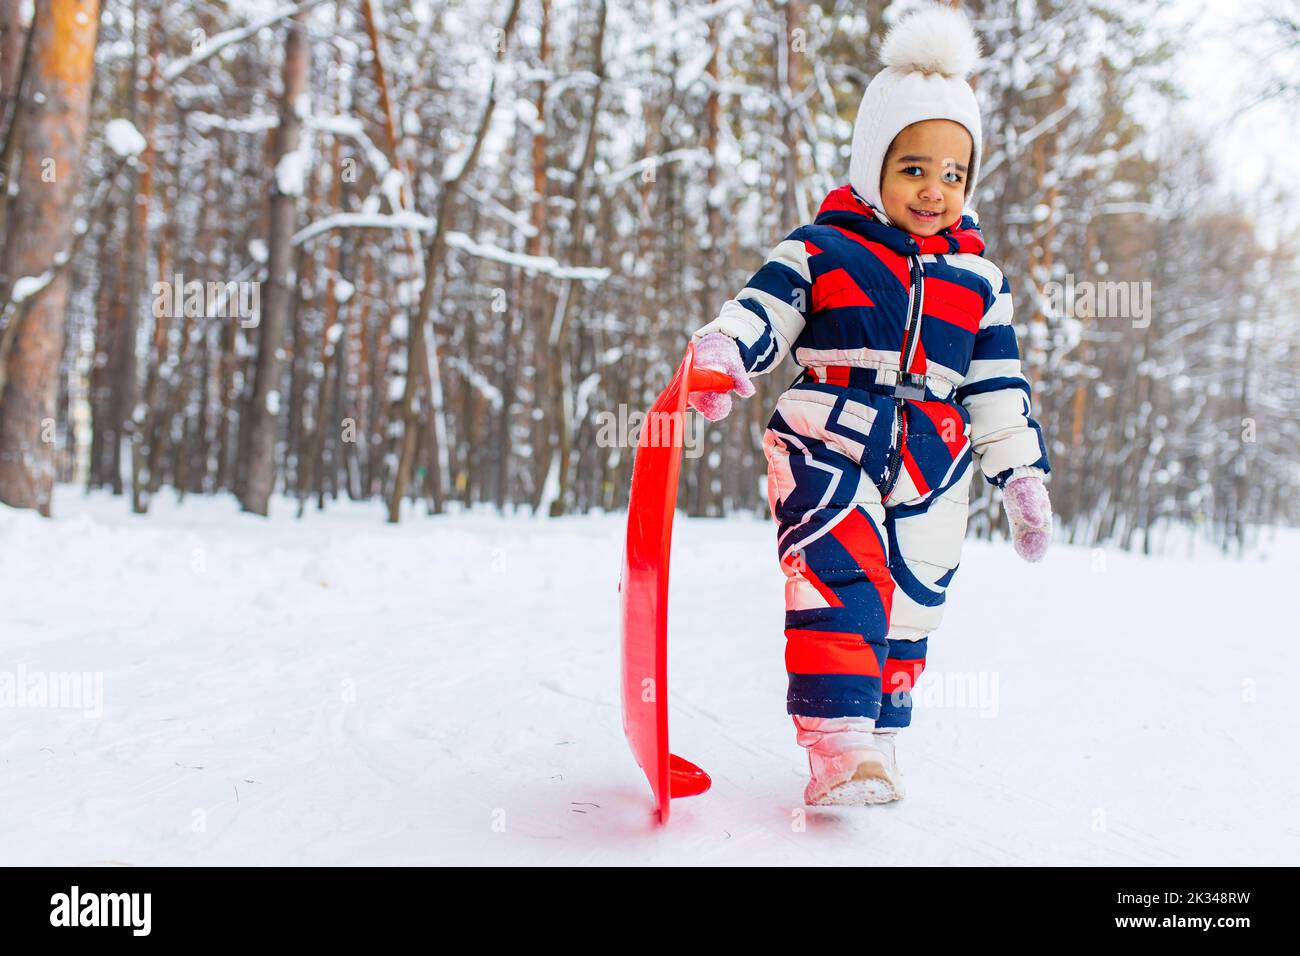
<point>910,385</point>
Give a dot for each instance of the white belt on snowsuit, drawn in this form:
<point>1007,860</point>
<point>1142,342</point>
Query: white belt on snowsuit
<point>885,380</point>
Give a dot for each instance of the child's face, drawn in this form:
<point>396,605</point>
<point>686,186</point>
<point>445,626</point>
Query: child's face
<point>925,170</point>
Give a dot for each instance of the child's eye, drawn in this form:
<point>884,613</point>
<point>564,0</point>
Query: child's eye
<point>957,176</point>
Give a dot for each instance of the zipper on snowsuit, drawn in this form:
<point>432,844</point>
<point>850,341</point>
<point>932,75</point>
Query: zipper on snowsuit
<point>910,385</point>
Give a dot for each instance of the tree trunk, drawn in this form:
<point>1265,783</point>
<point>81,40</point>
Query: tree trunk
<point>263,411</point>
<point>56,117</point>
<point>135,426</point>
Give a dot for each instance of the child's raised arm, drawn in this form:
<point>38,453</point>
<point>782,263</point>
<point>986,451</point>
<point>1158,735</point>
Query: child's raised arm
<point>763,321</point>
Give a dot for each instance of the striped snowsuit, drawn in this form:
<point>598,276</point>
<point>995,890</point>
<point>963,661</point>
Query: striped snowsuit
<point>868,470</point>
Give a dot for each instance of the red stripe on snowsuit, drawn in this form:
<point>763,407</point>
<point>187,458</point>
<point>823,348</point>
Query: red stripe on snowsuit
<point>918,358</point>
<point>831,374</point>
<point>901,675</point>
<point>953,303</point>
<point>811,577</point>
<point>860,539</point>
<point>914,469</point>
<point>829,652</point>
<point>837,290</point>
<point>887,257</point>
<point>948,424</point>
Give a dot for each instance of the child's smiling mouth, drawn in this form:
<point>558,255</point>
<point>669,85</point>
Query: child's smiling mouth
<point>924,216</point>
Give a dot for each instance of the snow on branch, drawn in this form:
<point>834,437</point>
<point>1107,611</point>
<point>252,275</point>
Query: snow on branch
<point>348,127</point>
<point>203,122</point>
<point>457,240</point>
<point>28,286</point>
<point>1023,140</point>
<point>1043,125</point>
<point>517,220</point>
<point>352,128</point>
<point>222,40</point>
<point>478,380</point>
<point>542,264</point>
<point>363,220</point>
<point>651,38</point>
<point>673,156</point>
<point>291,173</point>
<point>1126,208</point>
<point>123,138</point>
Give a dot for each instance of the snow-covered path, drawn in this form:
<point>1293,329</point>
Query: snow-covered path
<point>338,691</point>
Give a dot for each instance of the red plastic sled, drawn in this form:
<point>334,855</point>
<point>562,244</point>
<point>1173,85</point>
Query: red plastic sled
<point>644,586</point>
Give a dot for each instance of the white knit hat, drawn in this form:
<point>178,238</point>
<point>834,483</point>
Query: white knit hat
<point>927,57</point>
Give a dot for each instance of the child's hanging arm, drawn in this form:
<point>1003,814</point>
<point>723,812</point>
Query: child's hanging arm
<point>755,331</point>
<point>1005,439</point>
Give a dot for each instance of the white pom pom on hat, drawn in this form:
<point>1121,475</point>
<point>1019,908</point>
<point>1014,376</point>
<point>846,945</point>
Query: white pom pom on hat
<point>936,39</point>
<point>927,57</point>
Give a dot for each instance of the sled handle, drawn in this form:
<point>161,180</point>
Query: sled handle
<point>710,380</point>
<point>684,778</point>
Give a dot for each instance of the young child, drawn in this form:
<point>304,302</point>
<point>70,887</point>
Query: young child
<point>911,377</point>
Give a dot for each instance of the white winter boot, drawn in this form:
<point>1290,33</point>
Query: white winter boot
<point>852,763</point>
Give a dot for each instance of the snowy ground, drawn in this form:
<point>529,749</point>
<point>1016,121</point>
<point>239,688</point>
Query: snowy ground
<point>338,691</point>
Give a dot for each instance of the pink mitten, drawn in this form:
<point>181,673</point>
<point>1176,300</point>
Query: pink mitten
<point>720,352</point>
<point>1030,512</point>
